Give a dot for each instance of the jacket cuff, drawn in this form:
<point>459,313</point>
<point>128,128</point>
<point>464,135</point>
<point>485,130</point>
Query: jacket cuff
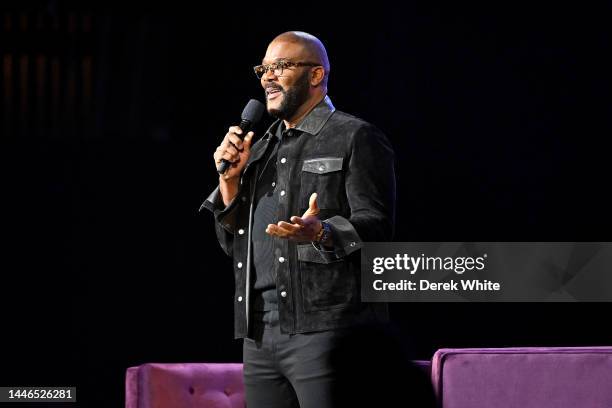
<point>224,215</point>
<point>345,238</point>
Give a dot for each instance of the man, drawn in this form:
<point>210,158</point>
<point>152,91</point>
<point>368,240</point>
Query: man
<point>293,210</point>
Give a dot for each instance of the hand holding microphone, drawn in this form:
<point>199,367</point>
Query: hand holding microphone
<point>231,156</point>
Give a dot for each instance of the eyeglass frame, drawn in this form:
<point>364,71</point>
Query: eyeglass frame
<point>285,64</point>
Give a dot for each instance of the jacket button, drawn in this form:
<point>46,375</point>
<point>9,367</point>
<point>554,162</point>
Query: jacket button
<point>239,265</point>
<point>283,160</point>
<point>243,198</point>
<point>274,184</point>
<point>321,167</point>
<point>240,231</point>
<point>352,244</point>
<point>240,298</point>
<point>282,193</point>
<point>281,259</point>
<point>284,294</point>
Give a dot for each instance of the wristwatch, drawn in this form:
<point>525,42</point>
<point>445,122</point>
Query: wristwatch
<point>324,234</point>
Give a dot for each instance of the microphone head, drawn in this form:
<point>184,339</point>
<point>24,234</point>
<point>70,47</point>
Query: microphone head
<point>253,111</point>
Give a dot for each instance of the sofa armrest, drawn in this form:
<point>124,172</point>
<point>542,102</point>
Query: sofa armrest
<point>185,385</point>
<point>529,377</point>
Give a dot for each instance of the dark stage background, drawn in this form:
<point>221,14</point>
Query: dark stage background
<point>499,117</point>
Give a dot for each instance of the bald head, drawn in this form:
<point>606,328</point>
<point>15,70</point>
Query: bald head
<point>312,48</point>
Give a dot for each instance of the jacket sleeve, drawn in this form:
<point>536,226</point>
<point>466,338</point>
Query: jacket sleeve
<point>225,218</point>
<point>370,189</point>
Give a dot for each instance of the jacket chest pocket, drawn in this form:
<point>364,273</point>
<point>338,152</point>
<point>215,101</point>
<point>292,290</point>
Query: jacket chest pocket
<point>323,176</point>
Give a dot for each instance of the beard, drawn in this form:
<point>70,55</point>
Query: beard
<point>292,98</point>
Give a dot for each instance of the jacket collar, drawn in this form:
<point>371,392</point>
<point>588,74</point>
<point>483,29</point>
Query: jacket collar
<point>312,123</point>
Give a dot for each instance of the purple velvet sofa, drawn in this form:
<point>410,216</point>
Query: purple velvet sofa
<point>530,377</point>
<point>190,385</point>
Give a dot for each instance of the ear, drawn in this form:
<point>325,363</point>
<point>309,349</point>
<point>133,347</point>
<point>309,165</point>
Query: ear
<point>318,73</point>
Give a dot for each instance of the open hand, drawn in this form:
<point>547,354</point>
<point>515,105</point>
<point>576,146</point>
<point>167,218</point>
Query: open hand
<point>300,229</point>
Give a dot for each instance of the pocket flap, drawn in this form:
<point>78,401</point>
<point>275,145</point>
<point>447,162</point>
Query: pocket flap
<point>308,253</point>
<point>322,165</point>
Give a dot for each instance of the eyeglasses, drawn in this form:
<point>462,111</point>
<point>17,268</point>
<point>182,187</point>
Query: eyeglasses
<point>278,67</point>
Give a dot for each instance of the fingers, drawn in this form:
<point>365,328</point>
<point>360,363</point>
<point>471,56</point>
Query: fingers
<point>232,145</point>
<point>291,228</point>
<point>230,155</point>
<point>233,137</point>
<point>231,149</point>
<point>232,158</point>
<point>275,230</point>
<point>297,220</point>
<point>312,203</point>
<point>247,142</point>
<point>313,207</point>
<point>234,141</point>
<point>285,230</point>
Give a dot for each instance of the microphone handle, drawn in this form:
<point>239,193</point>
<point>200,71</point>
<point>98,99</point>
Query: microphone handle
<point>245,125</point>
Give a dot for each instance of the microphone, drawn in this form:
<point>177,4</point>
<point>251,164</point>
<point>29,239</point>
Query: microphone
<point>251,115</point>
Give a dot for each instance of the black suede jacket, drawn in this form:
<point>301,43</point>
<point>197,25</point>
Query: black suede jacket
<point>349,163</point>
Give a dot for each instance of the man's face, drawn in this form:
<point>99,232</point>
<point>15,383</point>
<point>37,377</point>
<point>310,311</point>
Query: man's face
<point>287,92</point>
